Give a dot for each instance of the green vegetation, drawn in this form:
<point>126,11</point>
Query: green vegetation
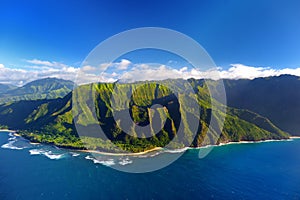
<point>3,127</point>
<point>48,88</point>
<point>52,121</point>
<point>276,98</point>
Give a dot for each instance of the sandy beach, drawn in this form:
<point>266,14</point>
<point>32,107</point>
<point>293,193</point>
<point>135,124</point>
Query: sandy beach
<point>35,143</point>
<point>294,137</point>
<point>121,154</point>
<point>8,130</point>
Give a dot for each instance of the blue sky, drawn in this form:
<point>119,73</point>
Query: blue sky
<point>253,33</point>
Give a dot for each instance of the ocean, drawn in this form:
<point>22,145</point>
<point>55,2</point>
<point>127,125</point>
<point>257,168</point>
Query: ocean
<point>266,170</point>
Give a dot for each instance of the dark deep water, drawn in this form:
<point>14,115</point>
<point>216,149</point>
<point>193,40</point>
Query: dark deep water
<point>268,170</point>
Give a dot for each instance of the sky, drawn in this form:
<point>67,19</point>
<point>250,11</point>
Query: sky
<point>246,39</point>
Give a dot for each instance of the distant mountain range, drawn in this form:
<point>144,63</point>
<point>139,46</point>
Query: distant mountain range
<point>277,98</point>
<point>6,87</point>
<point>259,109</point>
<point>48,88</point>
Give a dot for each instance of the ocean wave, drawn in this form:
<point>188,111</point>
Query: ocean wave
<point>148,155</point>
<point>108,162</point>
<point>52,156</point>
<point>205,147</point>
<point>48,154</point>
<point>156,153</point>
<point>10,145</point>
<point>11,134</point>
<point>12,138</point>
<point>74,154</point>
<point>125,161</point>
<point>176,150</point>
<point>36,152</point>
<point>15,143</point>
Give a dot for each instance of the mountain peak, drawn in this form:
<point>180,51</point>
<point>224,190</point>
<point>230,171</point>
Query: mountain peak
<point>46,88</point>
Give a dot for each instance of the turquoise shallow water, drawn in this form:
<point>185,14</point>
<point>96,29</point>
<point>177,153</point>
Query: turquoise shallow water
<point>269,170</point>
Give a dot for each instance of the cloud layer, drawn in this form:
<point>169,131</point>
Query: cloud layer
<point>36,69</point>
<point>127,71</point>
<point>240,71</point>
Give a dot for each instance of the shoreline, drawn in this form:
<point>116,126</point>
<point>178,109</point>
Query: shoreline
<point>34,143</point>
<point>8,130</point>
<point>181,149</point>
<point>121,154</point>
<point>185,148</point>
<point>254,142</point>
<point>156,148</point>
<point>295,137</point>
<point>245,142</point>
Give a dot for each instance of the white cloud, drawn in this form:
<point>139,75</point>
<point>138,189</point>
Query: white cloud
<point>87,68</point>
<point>104,66</point>
<point>40,62</point>
<point>121,71</point>
<point>149,73</point>
<point>239,71</point>
<point>46,63</point>
<point>142,72</point>
<point>236,71</point>
<point>44,69</point>
<point>123,65</point>
<point>114,74</point>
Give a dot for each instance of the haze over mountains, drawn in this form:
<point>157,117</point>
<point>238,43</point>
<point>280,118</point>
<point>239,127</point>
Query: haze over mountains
<point>276,98</point>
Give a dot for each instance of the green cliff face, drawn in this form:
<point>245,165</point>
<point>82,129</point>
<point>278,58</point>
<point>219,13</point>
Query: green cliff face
<point>52,121</point>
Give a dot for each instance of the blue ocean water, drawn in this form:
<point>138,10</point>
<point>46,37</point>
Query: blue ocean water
<point>269,170</point>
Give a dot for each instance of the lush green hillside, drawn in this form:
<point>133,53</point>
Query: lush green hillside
<point>52,121</point>
<point>6,87</point>
<point>276,98</point>
<point>48,88</point>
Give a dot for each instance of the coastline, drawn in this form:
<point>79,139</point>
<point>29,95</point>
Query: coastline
<point>259,141</point>
<point>183,149</point>
<point>295,137</point>
<point>34,143</point>
<point>156,148</point>
<point>8,130</point>
<point>121,154</point>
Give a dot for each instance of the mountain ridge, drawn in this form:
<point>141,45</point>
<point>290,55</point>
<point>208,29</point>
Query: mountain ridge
<point>274,97</point>
<point>46,88</point>
<point>52,121</point>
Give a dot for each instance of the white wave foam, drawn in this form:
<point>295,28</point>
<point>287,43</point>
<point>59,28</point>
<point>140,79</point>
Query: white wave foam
<point>176,150</point>
<point>36,152</point>
<point>12,138</point>
<point>205,147</point>
<point>11,134</point>
<point>14,143</point>
<point>10,145</point>
<point>75,154</point>
<point>52,156</point>
<point>108,162</point>
<point>151,154</point>
<point>125,161</point>
<point>48,154</point>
